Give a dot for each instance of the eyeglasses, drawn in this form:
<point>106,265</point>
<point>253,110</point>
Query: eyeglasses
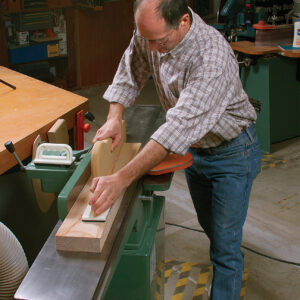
<point>161,42</point>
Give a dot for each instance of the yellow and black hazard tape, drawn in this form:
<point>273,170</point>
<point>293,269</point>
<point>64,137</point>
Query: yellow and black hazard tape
<point>189,281</point>
<point>269,161</point>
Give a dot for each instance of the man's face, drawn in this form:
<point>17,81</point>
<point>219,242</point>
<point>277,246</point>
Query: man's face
<point>167,39</point>
<point>154,29</point>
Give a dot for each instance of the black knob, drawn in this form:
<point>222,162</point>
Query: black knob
<point>88,115</point>
<point>10,146</point>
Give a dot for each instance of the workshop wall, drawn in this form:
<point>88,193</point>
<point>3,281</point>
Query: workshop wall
<point>99,40</point>
<point>96,38</point>
<point>3,45</point>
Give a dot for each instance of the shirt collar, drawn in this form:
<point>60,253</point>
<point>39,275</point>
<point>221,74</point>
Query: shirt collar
<point>188,39</point>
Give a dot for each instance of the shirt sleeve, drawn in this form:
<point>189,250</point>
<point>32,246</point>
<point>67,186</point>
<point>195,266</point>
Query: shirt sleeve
<point>201,103</point>
<point>131,76</point>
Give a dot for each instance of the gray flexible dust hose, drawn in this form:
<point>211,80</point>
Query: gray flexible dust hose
<point>13,263</point>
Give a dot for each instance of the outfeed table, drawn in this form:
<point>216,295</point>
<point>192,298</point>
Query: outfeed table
<point>30,110</point>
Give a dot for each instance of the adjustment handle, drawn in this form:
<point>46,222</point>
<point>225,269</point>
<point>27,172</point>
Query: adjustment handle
<point>10,146</point>
<point>88,115</point>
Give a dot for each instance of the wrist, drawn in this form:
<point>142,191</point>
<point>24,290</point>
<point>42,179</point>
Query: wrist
<point>115,111</point>
<point>124,177</point>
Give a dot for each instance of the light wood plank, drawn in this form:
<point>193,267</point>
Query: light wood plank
<point>103,164</point>
<point>58,133</point>
<point>75,235</point>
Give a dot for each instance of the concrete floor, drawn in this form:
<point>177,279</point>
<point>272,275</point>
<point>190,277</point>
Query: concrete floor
<point>272,226</point>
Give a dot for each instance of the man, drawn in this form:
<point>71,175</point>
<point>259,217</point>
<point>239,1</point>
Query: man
<point>208,113</point>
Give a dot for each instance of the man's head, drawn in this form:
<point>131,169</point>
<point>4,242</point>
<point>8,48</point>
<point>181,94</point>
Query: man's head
<point>163,23</point>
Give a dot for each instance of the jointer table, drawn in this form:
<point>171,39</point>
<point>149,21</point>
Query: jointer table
<point>74,275</point>
<point>273,79</point>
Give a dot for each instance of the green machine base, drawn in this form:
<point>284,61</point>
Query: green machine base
<point>272,81</point>
<point>139,272</point>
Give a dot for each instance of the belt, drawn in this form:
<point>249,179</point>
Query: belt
<point>249,132</point>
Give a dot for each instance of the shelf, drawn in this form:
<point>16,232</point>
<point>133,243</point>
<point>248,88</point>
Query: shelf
<point>60,57</point>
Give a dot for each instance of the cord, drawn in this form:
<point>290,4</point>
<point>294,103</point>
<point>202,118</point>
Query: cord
<point>242,246</point>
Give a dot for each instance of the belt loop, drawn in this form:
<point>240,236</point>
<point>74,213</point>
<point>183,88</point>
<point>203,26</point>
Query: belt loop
<point>247,130</point>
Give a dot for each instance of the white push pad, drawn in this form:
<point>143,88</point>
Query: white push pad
<point>54,154</point>
<point>89,215</point>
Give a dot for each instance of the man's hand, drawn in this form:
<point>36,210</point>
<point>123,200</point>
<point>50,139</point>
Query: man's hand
<point>106,190</point>
<point>112,128</point>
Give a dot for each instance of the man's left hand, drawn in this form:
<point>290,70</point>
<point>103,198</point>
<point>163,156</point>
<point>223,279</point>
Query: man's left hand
<point>106,190</point>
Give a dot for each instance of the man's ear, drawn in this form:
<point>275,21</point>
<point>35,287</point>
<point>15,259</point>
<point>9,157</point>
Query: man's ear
<point>184,20</point>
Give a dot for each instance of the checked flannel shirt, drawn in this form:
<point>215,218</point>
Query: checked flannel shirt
<point>197,83</point>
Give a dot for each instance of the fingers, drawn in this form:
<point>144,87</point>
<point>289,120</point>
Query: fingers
<point>101,135</point>
<point>101,199</point>
<point>115,142</point>
<point>111,129</point>
<point>106,190</point>
<point>102,206</point>
<point>94,184</point>
<point>96,189</point>
<point>101,203</point>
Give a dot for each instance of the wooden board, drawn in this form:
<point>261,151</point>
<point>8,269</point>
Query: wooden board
<point>103,164</point>
<point>30,110</point>
<point>76,235</point>
<point>58,133</point>
<point>250,48</point>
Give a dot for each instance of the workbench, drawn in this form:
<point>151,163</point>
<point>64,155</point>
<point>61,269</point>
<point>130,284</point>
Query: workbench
<point>273,80</point>
<point>128,266</point>
<point>29,108</point>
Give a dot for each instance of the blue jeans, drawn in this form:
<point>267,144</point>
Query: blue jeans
<point>220,182</point>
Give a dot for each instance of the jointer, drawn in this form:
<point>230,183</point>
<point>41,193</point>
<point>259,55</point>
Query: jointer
<point>130,264</point>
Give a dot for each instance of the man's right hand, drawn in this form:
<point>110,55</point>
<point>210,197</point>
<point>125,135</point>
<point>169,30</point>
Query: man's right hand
<point>112,128</point>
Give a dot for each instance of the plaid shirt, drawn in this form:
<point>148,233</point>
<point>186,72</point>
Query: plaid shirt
<point>197,83</point>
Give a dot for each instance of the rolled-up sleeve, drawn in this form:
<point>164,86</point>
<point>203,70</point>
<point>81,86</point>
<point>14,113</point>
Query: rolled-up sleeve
<point>200,105</point>
<point>132,73</point>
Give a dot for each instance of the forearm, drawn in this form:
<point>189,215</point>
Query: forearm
<point>152,154</point>
<point>115,111</point>
<point>107,189</point>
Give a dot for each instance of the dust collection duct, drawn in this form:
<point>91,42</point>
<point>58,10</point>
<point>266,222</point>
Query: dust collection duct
<point>13,263</point>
